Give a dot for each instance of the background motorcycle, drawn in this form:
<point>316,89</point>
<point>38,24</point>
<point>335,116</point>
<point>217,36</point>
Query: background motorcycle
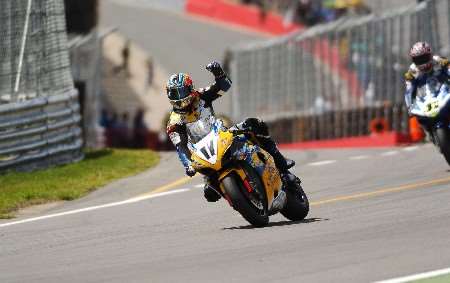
<point>432,108</point>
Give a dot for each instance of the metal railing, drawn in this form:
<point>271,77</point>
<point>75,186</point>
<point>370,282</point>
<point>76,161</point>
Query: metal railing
<point>39,109</point>
<point>40,132</point>
<point>332,80</point>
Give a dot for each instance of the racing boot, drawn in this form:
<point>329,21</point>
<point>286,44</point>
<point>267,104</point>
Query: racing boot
<point>282,163</point>
<point>261,132</point>
<point>210,193</point>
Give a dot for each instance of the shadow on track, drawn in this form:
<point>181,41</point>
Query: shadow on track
<point>276,224</point>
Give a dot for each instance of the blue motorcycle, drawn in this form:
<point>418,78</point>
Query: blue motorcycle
<point>432,108</point>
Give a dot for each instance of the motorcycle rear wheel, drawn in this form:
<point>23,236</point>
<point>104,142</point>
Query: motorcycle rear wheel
<point>297,205</point>
<point>443,140</point>
<point>234,188</point>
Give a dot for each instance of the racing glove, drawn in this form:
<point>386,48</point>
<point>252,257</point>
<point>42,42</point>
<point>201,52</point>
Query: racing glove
<point>215,68</point>
<point>190,171</point>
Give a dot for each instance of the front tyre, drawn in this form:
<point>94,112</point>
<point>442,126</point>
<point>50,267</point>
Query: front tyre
<point>442,137</point>
<point>255,214</point>
<point>297,205</point>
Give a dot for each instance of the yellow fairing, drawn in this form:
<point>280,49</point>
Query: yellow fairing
<point>225,173</point>
<point>270,175</point>
<point>239,171</point>
<point>224,142</point>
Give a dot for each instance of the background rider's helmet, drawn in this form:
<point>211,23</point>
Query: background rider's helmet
<point>180,91</point>
<point>422,57</point>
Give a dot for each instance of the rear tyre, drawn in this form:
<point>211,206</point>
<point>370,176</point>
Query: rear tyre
<point>442,136</point>
<point>297,205</point>
<point>257,215</point>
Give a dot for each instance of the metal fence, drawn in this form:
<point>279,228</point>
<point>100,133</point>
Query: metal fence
<point>39,109</point>
<point>333,80</point>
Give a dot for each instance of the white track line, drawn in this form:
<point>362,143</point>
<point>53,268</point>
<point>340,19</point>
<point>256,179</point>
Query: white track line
<point>199,186</point>
<point>389,153</point>
<point>320,163</point>
<point>418,276</point>
<point>411,148</point>
<point>359,157</point>
<point>76,211</point>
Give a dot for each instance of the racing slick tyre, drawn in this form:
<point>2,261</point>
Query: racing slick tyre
<point>250,203</point>
<point>442,136</point>
<point>297,205</point>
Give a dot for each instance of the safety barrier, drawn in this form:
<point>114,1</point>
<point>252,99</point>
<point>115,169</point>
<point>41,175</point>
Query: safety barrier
<point>330,81</point>
<point>40,132</point>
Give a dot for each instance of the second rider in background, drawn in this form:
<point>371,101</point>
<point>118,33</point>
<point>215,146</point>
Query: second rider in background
<point>425,65</point>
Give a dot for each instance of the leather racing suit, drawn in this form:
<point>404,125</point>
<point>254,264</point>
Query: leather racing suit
<point>415,78</point>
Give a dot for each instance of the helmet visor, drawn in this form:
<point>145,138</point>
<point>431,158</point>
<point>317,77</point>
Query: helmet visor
<point>182,103</point>
<point>422,59</point>
<point>178,93</point>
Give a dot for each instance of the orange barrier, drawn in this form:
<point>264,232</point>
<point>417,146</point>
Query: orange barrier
<point>378,126</point>
<point>387,139</point>
<point>415,130</point>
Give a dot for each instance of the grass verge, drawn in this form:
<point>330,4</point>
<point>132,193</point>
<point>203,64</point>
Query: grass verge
<point>68,182</point>
<point>437,279</point>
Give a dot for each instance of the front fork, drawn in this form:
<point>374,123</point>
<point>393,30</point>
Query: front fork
<point>430,126</point>
<point>432,132</point>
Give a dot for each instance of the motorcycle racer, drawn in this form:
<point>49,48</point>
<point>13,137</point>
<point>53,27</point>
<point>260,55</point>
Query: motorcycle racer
<point>425,65</point>
<point>192,110</point>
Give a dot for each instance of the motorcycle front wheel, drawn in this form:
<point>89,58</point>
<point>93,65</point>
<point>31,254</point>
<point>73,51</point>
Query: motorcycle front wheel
<point>254,210</point>
<point>442,136</point>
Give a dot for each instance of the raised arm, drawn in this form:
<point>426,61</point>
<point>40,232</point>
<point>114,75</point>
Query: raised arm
<point>219,87</point>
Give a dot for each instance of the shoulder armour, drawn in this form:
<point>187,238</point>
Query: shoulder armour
<point>409,76</point>
<point>175,119</point>
<point>444,62</point>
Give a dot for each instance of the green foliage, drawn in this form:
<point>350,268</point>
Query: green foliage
<point>71,181</point>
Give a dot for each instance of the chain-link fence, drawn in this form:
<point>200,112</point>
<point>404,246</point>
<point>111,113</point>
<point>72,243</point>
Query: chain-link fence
<point>333,80</point>
<point>38,103</point>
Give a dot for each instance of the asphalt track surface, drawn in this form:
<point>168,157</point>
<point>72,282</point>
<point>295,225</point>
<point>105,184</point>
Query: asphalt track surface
<point>375,214</point>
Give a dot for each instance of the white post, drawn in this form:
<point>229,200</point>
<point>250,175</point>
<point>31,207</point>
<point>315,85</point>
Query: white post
<point>22,48</point>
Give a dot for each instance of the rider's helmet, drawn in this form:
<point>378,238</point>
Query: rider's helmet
<point>421,55</point>
<point>180,91</point>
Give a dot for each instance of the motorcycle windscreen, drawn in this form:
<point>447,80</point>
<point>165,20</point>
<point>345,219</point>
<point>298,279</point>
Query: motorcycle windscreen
<point>201,128</point>
<point>206,148</point>
<point>431,98</point>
